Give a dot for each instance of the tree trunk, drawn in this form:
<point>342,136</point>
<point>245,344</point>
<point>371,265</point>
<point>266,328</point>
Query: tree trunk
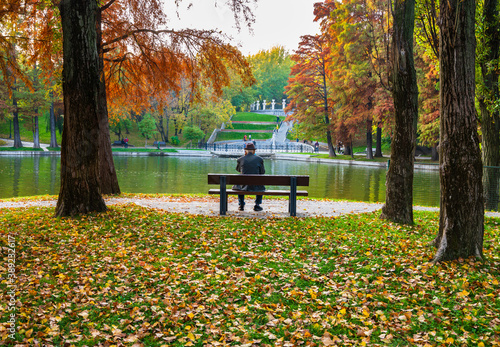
<point>369,139</point>
<point>435,153</point>
<point>490,118</point>
<point>107,173</point>
<point>53,137</point>
<point>399,182</point>
<point>15,121</point>
<point>461,222</point>
<point>80,191</point>
<point>36,133</point>
<point>378,149</point>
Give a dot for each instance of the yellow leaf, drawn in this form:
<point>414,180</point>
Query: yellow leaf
<point>191,336</point>
<point>480,344</point>
<point>191,315</point>
<point>29,332</point>
<point>450,340</point>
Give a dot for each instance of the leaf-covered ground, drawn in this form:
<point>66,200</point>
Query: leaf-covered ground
<point>139,277</point>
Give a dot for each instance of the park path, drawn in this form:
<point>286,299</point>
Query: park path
<point>209,206</point>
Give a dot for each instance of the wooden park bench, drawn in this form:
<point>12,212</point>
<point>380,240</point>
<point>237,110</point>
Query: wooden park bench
<point>267,180</point>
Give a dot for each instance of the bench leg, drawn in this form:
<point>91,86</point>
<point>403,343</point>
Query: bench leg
<point>223,196</point>
<point>293,197</point>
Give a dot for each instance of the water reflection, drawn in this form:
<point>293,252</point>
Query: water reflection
<point>24,176</point>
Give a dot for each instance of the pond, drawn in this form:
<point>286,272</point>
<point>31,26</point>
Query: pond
<point>39,175</point>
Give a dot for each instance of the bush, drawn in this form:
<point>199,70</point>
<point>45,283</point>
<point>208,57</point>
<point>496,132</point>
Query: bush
<point>193,134</point>
<point>175,140</point>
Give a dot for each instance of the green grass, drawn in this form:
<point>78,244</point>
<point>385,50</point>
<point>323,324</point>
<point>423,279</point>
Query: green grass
<point>227,136</point>
<point>245,126</point>
<point>254,117</point>
<point>131,150</point>
<point>25,129</point>
<point>21,149</point>
<point>140,275</point>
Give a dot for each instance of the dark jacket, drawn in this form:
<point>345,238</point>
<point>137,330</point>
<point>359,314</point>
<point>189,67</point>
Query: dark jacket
<point>250,164</point>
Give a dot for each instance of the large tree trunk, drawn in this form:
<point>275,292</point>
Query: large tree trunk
<point>80,191</point>
<point>490,118</point>
<point>461,221</point>
<point>53,137</point>
<point>369,139</point>
<point>107,172</point>
<point>399,183</point>
<point>378,149</point>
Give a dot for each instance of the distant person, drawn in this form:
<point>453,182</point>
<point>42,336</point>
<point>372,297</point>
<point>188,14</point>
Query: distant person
<point>249,137</point>
<point>245,138</point>
<point>250,164</point>
<point>126,142</point>
<point>316,146</point>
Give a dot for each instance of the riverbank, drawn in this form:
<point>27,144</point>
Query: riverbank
<point>180,152</point>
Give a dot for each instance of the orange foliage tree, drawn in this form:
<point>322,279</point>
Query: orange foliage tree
<point>135,49</point>
<point>309,86</point>
<point>356,31</point>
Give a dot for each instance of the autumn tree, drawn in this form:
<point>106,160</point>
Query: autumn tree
<point>356,32</point>
<point>309,86</point>
<point>461,220</point>
<point>80,188</point>
<point>399,182</point>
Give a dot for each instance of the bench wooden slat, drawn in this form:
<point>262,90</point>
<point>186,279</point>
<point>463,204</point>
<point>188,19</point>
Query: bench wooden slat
<point>270,180</point>
<point>266,192</point>
<point>267,180</point>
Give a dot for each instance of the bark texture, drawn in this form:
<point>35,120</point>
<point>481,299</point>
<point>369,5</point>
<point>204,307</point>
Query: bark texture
<point>399,182</point>
<point>461,221</point>
<point>107,172</point>
<point>490,118</point>
<point>15,122</point>
<point>80,190</point>
<point>378,149</point>
<point>53,137</point>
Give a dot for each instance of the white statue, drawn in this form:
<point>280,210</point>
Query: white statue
<point>258,104</point>
<point>284,103</point>
<point>273,103</point>
<point>264,105</point>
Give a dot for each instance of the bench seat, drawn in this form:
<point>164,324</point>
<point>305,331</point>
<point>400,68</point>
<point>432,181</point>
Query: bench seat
<point>267,180</point>
<point>266,192</point>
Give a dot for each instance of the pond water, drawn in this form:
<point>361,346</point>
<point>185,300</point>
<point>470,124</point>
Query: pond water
<point>39,175</point>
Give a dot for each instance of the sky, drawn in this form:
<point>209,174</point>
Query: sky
<point>277,22</point>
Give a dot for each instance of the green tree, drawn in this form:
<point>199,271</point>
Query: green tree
<point>271,70</point>
<point>193,133</point>
<point>147,127</point>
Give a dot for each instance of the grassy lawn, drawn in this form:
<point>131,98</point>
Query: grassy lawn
<point>244,126</point>
<point>132,149</point>
<point>227,136</point>
<point>20,149</point>
<point>138,275</point>
<point>25,129</point>
<point>254,117</point>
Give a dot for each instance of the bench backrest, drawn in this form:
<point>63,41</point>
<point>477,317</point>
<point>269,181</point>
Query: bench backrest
<point>271,180</point>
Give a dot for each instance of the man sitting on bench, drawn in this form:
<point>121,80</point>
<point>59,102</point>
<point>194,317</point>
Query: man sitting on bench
<point>250,164</point>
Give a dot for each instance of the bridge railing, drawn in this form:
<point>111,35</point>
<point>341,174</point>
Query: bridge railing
<point>264,147</point>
